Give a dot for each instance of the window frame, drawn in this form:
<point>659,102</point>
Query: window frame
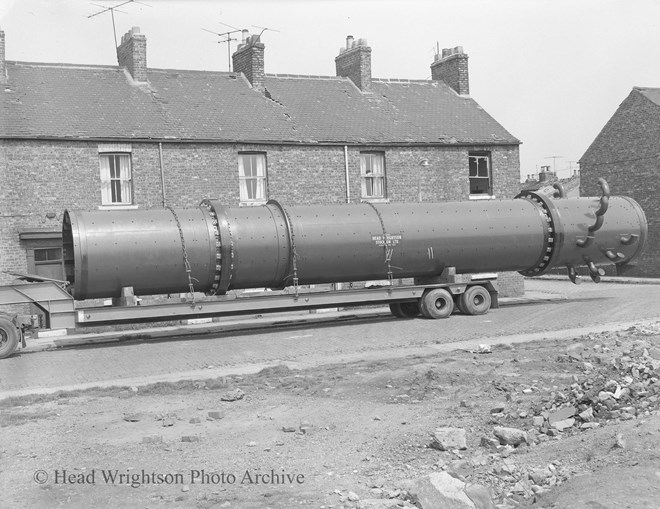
<point>478,156</point>
<point>40,241</point>
<point>117,184</point>
<point>261,181</point>
<point>368,178</point>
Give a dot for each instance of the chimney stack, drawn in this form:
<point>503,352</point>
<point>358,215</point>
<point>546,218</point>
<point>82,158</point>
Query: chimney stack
<point>3,66</point>
<point>545,175</point>
<point>354,62</point>
<point>452,68</point>
<point>249,59</point>
<point>132,54</point>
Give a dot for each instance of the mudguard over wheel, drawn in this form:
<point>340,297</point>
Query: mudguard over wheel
<point>404,309</point>
<point>475,301</point>
<point>9,337</point>
<point>437,303</point>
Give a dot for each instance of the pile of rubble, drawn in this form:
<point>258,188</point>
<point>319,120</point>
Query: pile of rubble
<point>616,379</point>
<point>622,382</point>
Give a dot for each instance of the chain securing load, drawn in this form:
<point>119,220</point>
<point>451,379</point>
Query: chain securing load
<point>186,263</point>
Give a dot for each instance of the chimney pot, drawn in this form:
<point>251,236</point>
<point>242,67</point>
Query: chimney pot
<point>349,41</point>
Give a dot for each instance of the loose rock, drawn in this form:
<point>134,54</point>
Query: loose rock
<point>561,414</point>
<point>439,489</point>
<point>498,408</point>
<point>562,425</point>
<point>481,496</point>
<point>352,496</point>
<point>490,443</point>
<point>446,439</point>
<point>619,442</point>
<point>587,415</point>
<point>233,395</point>
<point>510,436</point>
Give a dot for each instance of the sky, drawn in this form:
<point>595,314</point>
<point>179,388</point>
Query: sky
<point>552,72</point>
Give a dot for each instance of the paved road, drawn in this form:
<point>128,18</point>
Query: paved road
<point>133,362</point>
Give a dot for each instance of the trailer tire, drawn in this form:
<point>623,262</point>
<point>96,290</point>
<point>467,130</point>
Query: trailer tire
<point>437,303</point>
<point>475,301</point>
<point>405,309</point>
<point>9,336</point>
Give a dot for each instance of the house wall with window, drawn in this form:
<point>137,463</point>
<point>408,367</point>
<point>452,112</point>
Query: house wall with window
<point>319,140</point>
<point>48,177</point>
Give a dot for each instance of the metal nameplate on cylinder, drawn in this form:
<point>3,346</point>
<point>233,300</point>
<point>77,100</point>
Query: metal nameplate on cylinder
<point>386,240</point>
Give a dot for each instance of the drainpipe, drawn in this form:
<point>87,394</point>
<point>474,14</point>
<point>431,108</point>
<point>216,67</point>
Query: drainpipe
<point>162,172</point>
<point>348,186</point>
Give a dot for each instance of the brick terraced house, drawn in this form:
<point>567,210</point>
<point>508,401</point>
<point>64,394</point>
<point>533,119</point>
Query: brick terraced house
<point>76,136</point>
<point>626,153</point>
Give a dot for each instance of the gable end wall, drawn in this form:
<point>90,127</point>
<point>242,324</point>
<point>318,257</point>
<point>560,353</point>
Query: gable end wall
<point>626,153</point>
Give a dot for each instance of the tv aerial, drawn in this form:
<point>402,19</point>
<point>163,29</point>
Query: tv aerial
<point>112,13</point>
<point>263,29</point>
<point>554,162</point>
<point>227,39</point>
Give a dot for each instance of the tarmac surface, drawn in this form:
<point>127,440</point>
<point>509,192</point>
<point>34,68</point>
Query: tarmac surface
<point>551,308</point>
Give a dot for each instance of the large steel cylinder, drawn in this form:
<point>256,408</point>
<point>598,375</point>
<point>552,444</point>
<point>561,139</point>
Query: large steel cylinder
<point>276,246</point>
<point>105,251</point>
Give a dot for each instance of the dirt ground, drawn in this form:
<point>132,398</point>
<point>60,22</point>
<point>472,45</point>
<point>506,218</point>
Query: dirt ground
<point>355,435</point>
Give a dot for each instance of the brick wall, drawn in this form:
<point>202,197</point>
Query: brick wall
<point>132,54</point>
<point>49,176</point>
<point>355,64</point>
<point>626,153</point>
<point>452,68</point>
<point>249,59</point>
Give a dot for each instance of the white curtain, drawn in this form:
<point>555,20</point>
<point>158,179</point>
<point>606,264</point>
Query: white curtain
<point>106,193</point>
<point>252,173</point>
<point>373,175</point>
<point>116,185</point>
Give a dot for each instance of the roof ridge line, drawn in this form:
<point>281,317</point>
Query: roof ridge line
<point>61,65</point>
<point>305,76</point>
<point>402,80</point>
<point>66,65</point>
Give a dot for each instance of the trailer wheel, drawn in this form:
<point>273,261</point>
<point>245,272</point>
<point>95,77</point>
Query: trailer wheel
<point>9,336</point>
<point>437,303</point>
<point>404,309</point>
<point>475,301</point>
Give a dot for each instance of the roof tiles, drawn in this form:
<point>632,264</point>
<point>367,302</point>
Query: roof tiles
<point>103,102</point>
